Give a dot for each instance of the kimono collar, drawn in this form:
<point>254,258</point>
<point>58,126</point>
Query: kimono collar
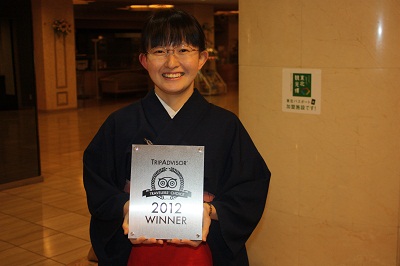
<point>172,113</point>
<point>172,131</point>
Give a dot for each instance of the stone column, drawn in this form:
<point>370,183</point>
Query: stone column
<point>334,194</point>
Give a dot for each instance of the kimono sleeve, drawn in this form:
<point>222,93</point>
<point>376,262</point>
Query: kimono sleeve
<point>104,190</point>
<point>241,201</point>
<point>104,175</point>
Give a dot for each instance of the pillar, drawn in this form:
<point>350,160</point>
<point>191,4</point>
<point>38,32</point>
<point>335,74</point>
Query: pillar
<point>334,193</point>
<point>54,55</point>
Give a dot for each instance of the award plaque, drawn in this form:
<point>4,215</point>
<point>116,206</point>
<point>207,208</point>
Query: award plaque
<point>166,193</point>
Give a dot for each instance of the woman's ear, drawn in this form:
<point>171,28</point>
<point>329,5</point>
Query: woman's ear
<point>202,58</point>
<point>143,60</point>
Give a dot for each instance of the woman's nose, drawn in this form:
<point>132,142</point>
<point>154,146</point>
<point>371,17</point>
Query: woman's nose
<point>171,60</point>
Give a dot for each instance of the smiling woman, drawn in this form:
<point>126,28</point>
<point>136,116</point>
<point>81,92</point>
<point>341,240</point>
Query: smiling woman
<point>173,51</point>
<point>173,74</point>
<point>236,178</point>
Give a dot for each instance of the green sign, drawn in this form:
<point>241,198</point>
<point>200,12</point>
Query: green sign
<point>301,85</point>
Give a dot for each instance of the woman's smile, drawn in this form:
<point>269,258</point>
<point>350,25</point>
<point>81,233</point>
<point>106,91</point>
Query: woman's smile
<point>173,75</point>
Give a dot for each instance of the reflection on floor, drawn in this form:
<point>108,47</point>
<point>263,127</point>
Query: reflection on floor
<point>47,223</point>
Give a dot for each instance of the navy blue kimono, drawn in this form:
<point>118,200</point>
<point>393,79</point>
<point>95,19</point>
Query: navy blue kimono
<point>234,172</point>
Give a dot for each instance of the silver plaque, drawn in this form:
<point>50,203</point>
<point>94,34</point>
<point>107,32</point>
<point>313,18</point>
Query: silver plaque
<point>166,193</point>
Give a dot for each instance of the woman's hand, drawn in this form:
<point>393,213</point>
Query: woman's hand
<point>146,241</point>
<point>205,231</point>
<point>125,224</point>
<point>192,243</point>
<point>207,214</point>
<point>139,240</point>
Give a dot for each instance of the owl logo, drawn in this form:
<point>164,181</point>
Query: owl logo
<point>167,181</point>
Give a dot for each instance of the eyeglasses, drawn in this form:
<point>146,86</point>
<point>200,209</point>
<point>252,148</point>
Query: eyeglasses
<point>181,51</point>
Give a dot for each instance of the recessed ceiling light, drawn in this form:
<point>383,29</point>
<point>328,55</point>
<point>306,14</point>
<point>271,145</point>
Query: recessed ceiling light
<point>138,6</point>
<point>149,7</point>
<point>226,13</point>
<point>161,6</point>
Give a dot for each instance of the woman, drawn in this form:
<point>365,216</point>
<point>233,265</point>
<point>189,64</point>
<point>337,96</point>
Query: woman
<point>236,177</point>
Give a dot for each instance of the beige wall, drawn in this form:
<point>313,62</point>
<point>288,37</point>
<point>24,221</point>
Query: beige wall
<point>334,194</point>
<point>54,56</point>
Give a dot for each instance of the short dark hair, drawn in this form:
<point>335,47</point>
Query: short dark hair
<point>172,27</point>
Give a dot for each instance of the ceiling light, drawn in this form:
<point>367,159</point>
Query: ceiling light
<point>226,13</point>
<point>149,7</point>
<point>138,6</point>
<point>161,6</point>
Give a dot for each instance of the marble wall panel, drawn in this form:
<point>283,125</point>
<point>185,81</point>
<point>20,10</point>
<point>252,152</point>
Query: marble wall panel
<point>334,194</point>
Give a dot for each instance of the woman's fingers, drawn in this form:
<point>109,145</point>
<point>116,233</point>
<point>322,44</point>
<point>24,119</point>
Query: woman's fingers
<point>146,241</point>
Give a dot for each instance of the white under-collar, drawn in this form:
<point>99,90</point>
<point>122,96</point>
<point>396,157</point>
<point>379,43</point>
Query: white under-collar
<point>172,113</point>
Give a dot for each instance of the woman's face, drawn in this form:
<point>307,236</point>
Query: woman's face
<point>174,68</point>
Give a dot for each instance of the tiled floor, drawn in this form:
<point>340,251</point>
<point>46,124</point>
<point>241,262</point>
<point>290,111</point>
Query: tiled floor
<point>47,223</point>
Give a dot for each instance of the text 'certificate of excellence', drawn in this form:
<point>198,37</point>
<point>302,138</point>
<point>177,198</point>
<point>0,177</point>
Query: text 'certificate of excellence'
<point>166,193</point>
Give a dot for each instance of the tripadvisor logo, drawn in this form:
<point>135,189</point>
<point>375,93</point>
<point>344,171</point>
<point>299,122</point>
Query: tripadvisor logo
<point>167,183</point>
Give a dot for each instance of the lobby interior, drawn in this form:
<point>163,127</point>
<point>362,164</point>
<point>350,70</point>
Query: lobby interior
<point>44,218</point>
<point>335,186</point>
<point>47,223</point>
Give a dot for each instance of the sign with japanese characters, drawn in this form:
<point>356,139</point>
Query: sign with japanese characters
<point>301,90</point>
<point>166,192</point>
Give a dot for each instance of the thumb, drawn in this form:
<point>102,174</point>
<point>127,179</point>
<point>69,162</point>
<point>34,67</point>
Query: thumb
<point>125,224</point>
